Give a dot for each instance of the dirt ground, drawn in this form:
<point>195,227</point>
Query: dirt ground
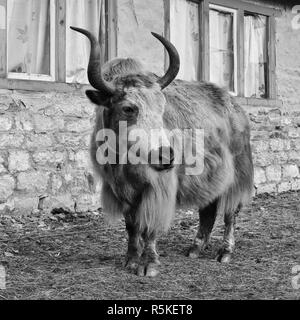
<point>65,255</point>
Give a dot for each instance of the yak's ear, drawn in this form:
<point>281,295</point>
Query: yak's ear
<point>97,97</point>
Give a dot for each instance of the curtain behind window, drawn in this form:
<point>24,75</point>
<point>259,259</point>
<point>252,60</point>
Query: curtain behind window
<point>221,48</point>
<point>184,34</point>
<point>89,15</point>
<point>29,36</point>
<point>255,55</point>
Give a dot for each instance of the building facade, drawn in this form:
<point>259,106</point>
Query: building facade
<point>249,47</point>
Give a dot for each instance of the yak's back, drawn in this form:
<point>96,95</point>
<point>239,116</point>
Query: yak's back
<point>203,105</point>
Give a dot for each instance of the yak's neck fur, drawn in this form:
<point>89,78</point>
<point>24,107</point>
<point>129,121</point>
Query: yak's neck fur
<point>152,196</point>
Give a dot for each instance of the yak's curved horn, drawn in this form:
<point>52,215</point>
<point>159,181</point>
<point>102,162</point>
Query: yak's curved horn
<point>94,68</point>
<point>174,61</point>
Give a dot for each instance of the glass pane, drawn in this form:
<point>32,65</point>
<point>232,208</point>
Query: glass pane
<point>221,36</point>
<point>29,36</point>
<point>136,19</point>
<point>255,56</point>
<point>184,30</point>
<point>88,15</point>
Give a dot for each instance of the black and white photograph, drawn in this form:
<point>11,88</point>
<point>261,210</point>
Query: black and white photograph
<point>149,152</point>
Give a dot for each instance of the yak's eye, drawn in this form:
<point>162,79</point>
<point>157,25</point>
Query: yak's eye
<point>130,111</point>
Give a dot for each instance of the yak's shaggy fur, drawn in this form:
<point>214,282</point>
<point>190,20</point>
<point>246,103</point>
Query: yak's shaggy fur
<point>152,196</point>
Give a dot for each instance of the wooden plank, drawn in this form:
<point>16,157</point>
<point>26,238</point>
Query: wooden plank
<point>111,29</point>
<point>204,40</point>
<point>33,85</point>
<point>103,31</point>
<point>3,39</point>
<point>272,85</point>
<point>240,53</point>
<point>61,40</point>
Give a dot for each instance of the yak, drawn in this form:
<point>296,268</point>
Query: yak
<point>147,194</point>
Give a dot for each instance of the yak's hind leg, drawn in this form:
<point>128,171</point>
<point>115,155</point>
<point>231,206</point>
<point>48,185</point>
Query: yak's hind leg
<point>225,252</point>
<point>207,218</point>
<point>149,263</point>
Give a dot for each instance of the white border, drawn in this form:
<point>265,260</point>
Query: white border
<point>40,77</point>
<point>234,11</point>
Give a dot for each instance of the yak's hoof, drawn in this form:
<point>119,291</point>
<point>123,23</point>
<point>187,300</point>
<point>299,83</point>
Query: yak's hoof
<point>224,256</point>
<point>150,270</point>
<point>194,253</point>
<point>196,250</point>
<point>132,264</point>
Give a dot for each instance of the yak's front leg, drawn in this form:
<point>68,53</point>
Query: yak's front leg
<point>135,245</point>
<point>149,264</point>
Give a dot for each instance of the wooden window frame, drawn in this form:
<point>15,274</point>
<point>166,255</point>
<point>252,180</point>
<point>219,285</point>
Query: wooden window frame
<point>241,7</point>
<point>235,42</point>
<point>41,77</point>
<point>58,82</point>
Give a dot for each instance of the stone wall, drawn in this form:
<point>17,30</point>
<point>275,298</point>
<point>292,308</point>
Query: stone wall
<point>44,137</point>
<point>44,160</point>
<point>275,145</point>
<point>276,124</point>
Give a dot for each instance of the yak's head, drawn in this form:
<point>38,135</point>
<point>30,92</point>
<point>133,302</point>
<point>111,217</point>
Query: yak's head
<point>135,98</point>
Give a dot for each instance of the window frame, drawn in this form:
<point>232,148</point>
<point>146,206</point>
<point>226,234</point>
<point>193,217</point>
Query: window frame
<point>235,49</point>
<point>240,7</point>
<point>32,76</point>
<point>58,82</point>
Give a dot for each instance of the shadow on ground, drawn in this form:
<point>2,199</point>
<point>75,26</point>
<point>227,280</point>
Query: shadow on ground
<point>78,256</point>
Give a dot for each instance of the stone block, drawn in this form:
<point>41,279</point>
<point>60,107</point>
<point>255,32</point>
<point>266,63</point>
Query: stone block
<point>7,186</point>
<point>267,188</point>
<point>18,161</point>
<point>259,176</point>
<point>290,171</point>
<point>32,182</point>
<point>274,173</point>
<point>6,123</point>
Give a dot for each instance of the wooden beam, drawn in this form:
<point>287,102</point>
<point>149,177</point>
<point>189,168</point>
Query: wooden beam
<point>111,29</point>
<point>240,53</point>
<point>272,85</point>
<point>3,38</point>
<point>204,40</point>
<point>249,7</point>
<point>61,53</point>
<point>34,85</point>
<point>167,30</point>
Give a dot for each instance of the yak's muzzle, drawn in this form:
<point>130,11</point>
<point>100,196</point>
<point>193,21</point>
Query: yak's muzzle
<point>162,159</point>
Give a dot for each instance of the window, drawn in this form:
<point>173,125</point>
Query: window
<point>228,42</point>
<point>223,47</point>
<point>185,20</point>
<point>135,21</point>
<point>91,17</point>
<point>256,55</point>
<point>31,38</point>
<point>40,46</point>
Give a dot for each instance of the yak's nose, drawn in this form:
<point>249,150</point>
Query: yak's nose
<point>162,159</point>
